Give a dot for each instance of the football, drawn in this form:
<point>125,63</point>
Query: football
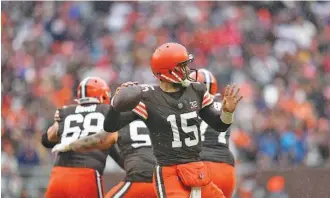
<point>127,98</point>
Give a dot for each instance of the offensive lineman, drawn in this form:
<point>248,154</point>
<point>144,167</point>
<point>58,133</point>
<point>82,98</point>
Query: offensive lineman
<point>171,112</point>
<point>215,147</point>
<point>79,174</point>
<point>136,152</point>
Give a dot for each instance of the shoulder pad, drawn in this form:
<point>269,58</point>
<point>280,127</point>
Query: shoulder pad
<point>62,111</point>
<point>199,87</point>
<point>68,106</point>
<point>104,108</point>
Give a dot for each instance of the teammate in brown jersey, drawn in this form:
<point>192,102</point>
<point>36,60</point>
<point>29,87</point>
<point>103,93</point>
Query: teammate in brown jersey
<point>134,145</point>
<point>171,112</point>
<point>79,174</point>
<point>215,144</point>
<point>135,149</point>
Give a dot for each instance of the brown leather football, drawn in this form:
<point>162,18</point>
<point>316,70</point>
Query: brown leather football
<point>127,98</point>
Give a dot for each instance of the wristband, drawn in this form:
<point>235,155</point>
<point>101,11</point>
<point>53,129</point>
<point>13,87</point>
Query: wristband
<point>226,117</point>
<point>45,142</point>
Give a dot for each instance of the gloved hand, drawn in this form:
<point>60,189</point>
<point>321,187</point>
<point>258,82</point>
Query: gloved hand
<point>62,147</point>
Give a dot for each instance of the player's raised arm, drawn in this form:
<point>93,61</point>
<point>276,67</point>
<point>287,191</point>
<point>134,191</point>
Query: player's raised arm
<point>211,115</point>
<point>50,138</point>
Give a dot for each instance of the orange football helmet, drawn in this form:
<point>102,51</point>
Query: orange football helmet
<point>206,77</point>
<point>169,63</point>
<point>93,90</point>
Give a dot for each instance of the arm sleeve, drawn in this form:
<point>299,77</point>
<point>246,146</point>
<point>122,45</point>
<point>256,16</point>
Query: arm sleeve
<point>211,116</point>
<point>115,120</point>
<point>45,142</point>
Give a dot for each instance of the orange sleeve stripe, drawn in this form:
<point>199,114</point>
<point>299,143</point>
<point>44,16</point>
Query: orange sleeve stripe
<point>142,105</point>
<point>140,113</point>
<point>207,100</point>
<point>141,110</point>
<point>206,96</point>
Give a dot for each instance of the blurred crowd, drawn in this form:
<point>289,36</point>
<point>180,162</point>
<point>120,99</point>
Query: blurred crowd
<point>277,52</point>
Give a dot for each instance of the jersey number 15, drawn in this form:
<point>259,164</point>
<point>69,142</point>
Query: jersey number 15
<point>177,143</point>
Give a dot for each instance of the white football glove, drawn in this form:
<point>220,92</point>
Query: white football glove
<point>62,147</point>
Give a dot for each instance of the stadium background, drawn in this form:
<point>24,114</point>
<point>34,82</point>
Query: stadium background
<point>278,52</point>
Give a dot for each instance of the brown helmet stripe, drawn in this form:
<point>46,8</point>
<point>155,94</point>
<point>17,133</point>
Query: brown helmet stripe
<point>208,79</point>
<point>83,87</point>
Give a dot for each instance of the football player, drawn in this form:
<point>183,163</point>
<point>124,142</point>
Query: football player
<point>171,112</point>
<point>79,174</point>
<point>215,144</point>
<point>135,150</point>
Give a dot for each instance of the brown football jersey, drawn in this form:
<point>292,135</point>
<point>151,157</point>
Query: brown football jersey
<point>215,144</point>
<point>172,119</point>
<point>77,121</point>
<point>136,151</point>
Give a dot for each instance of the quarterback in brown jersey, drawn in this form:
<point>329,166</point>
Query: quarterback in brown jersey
<point>171,111</point>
